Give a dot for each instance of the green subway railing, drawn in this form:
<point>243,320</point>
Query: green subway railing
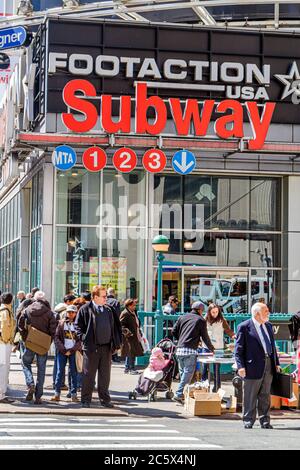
<point>166,323</point>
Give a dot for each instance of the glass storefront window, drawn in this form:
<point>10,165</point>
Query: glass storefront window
<point>124,198</point>
<point>78,197</point>
<point>76,262</point>
<point>123,265</point>
<point>266,286</point>
<point>223,249</point>
<point>226,203</point>
<point>37,200</point>
<point>36,262</point>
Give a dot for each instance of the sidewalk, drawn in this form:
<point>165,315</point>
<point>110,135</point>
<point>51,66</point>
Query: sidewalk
<point>121,385</point>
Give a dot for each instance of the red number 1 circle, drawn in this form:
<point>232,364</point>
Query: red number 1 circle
<point>94,159</point>
<point>125,160</point>
<point>154,161</point>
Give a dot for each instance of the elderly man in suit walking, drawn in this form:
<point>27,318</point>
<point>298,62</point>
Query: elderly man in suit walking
<point>257,362</point>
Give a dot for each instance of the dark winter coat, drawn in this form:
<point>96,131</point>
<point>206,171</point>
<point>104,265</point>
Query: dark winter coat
<point>59,340</point>
<point>85,326</point>
<point>189,329</point>
<point>131,346</point>
<point>114,304</point>
<point>294,328</point>
<point>40,316</point>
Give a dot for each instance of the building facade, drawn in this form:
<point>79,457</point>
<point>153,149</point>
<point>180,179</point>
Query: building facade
<point>233,223</point>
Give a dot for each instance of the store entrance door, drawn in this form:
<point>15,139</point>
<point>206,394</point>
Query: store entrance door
<point>229,289</point>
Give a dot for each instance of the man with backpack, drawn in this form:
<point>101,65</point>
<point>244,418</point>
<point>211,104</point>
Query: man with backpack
<point>39,316</point>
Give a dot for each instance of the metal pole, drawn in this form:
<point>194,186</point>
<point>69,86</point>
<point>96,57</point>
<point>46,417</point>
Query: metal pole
<point>159,313</point>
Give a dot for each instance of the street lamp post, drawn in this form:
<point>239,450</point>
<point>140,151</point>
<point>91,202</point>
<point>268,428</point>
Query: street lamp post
<point>160,245</point>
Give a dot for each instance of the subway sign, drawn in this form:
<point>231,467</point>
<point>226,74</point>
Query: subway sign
<point>147,79</point>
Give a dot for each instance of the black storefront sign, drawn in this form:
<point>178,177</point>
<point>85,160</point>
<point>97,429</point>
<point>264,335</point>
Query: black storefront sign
<point>281,331</point>
<point>175,61</point>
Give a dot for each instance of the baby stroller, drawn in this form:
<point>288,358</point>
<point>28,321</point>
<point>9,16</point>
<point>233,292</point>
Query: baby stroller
<point>148,388</point>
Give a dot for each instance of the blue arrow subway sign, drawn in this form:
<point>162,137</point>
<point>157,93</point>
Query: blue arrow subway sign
<point>184,162</point>
<point>12,37</point>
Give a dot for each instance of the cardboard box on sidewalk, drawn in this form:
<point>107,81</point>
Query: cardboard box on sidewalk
<point>192,392</point>
<point>275,403</point>
<point>206,404</point>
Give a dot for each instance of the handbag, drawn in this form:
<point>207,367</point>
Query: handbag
<point>37,341</point>
<point>282,386</point>
<point>79,361</point>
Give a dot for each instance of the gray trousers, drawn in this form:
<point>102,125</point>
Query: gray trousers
<point>257,396</point>
<point>99,361</point>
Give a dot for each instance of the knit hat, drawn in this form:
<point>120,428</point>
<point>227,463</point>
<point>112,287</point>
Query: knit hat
<point>198,306</point>
<point>60,308</point>
<point>156,352</point>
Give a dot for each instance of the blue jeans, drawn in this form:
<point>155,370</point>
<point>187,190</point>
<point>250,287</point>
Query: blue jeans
<point>187,367</point>
<point>129,363</point>
<point>55,370</point>
<point>27,360</point>
<point>79,380</point>
<point>61,369</point>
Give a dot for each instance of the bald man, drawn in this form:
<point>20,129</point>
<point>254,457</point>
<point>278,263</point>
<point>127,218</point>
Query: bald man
<point>257,362</point>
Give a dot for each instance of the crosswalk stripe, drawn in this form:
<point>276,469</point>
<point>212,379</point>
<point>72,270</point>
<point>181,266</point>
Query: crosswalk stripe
<point>107,446</point>
<point>89,425</point>
<point>28,419</point>
<point>99,438</point>
<point>129,420</point>
<point>98,430</point>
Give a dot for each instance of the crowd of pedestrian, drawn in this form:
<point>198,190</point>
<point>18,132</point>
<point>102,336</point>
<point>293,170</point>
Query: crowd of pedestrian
<point>89,331</point>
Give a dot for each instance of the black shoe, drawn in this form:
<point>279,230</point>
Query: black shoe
<point>266,426</point>
<point>7,400</point>
<point>248,426</point>
<point>30,393</point>
<point>85,405</point>
<point>107,404</point>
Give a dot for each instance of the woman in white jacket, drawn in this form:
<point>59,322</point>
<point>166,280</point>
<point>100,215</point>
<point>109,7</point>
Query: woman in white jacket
<point>217,327</point>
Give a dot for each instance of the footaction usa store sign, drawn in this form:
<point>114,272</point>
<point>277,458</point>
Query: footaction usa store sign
<point>146,79</point>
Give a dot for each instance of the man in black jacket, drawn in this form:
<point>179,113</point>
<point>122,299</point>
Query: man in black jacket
<point>189,330</point>
<point>115,305</point>
<point>99,328</point>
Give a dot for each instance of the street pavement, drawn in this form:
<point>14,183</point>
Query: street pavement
<point>121,385</point>
<point>152,434</point>
<point>136,425</point>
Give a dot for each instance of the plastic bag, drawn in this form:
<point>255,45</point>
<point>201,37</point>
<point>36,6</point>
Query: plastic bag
<point>145,343</point>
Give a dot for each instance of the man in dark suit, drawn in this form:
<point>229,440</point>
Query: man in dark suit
<point>115,305</point>
<point>99,328</point>
<point>257,362</point>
